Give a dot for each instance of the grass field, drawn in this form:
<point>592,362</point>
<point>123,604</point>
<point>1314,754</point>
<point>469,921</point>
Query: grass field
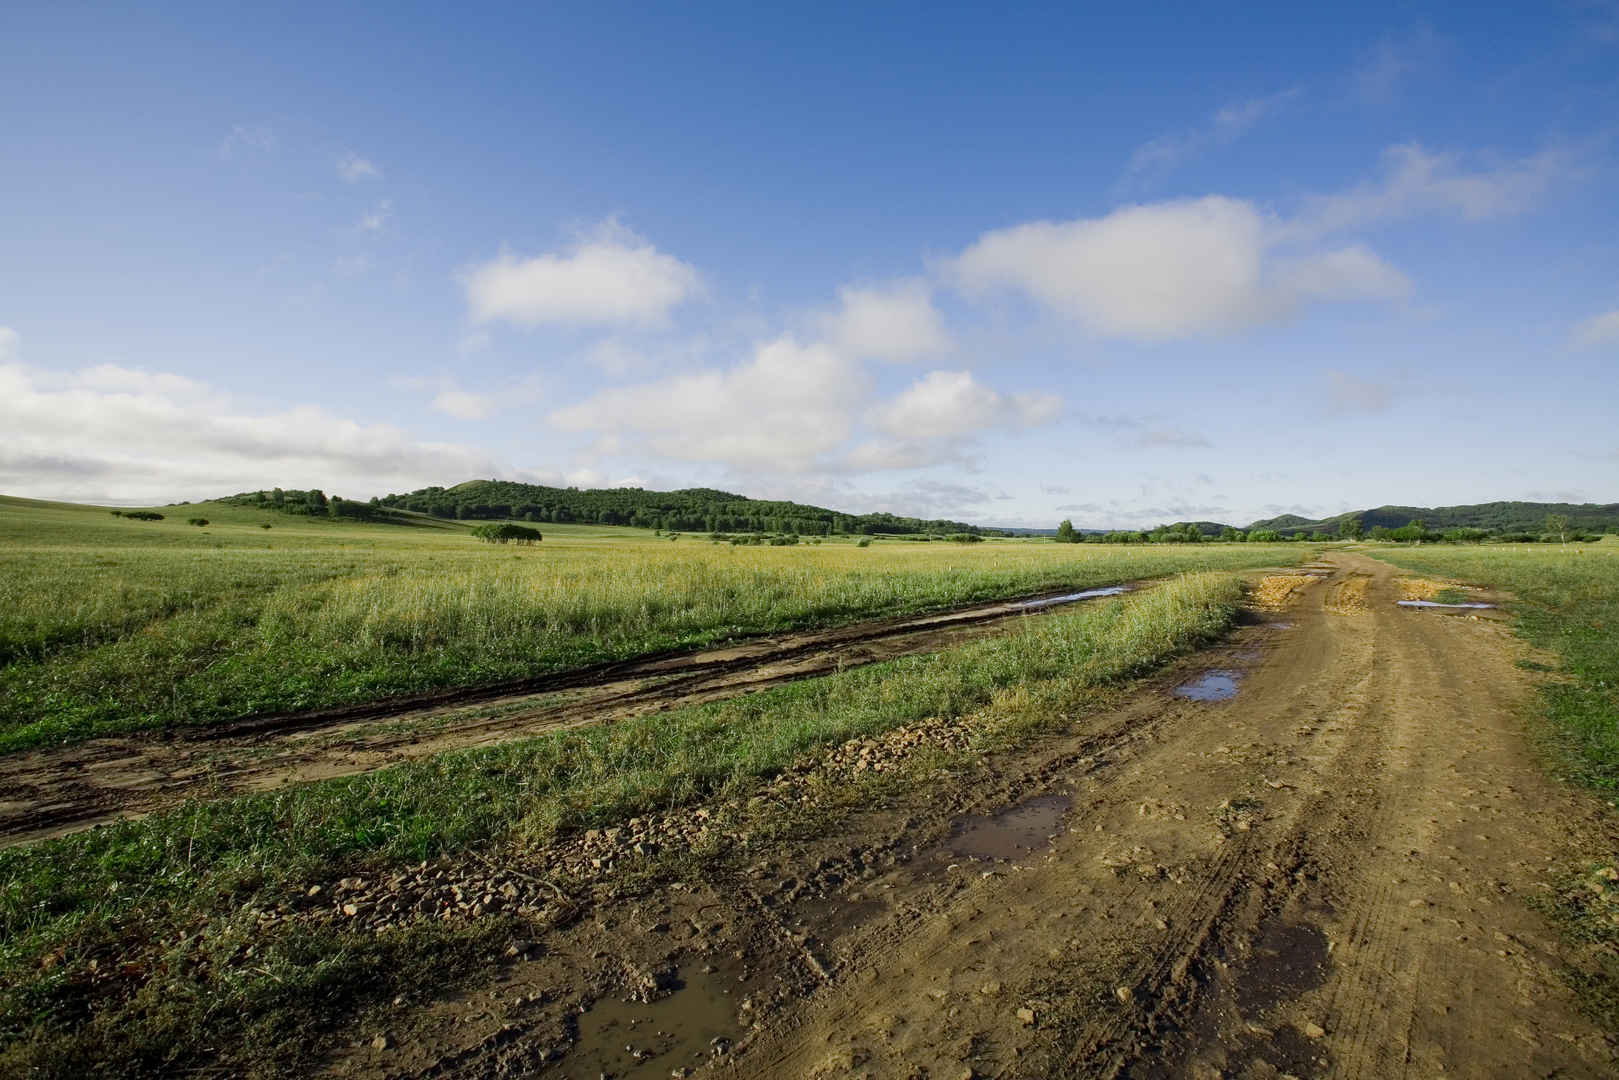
<point>1566,600</point>
<point>165,901</point>
<point>111,625</point>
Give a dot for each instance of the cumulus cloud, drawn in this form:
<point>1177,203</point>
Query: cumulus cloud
<point>784,408</point>
<point>111,433</point>
<point>353,168</point>
<point>1351,393</point>
<point>1597,330</point>
<point>610,276</point>
<point>895,322</point>
<point>954,403</point>
<point>1168,270</point>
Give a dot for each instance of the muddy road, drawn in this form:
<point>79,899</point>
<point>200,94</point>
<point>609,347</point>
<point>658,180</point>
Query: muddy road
<point>1325,872</point>
<point>55,791</point>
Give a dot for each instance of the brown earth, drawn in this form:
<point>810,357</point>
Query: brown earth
<point>1324,875</point>
<point>64,789</point>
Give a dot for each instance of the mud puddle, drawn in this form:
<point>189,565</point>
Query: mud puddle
<point>1437,604</point>
<point>693,1024</point>
<point>1217,685</point>
<point>1073,598</point>
<point>1010,834</point>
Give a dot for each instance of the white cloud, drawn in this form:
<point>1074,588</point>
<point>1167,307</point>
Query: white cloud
<point>1597,330</point>
<point>1171,438</point>
<point>244,139</point>
<point>464,404</point>
<point>785,408</point>
<point>10,344</point>
<point>353,168</point>
<point>374,219</point>
<point>610,276</point>
<point>1352,393</point>
<point>1156,158</point>
<point>114,434</point>
<point>1383,68</point>
<point>951,404</point>
<point>1168,270</point>
<point>896,322</point>
<point>1417,180</point>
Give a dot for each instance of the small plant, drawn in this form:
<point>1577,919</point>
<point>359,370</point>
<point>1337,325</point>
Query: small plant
<point>864,541</point>
<point>197,521</point>
<point>263,525</point>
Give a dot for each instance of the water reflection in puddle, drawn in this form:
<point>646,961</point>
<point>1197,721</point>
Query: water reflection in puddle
<point>638,1039</point>
<point>1437,604</point>
<point>1069,598</point>
<point>1215,685</point>
<point>1011,833</point>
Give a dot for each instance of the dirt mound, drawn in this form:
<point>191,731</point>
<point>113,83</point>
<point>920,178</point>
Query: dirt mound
<point>1348,597</point>
<point>1275,592</point>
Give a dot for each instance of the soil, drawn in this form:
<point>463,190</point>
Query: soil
<point>1324,874</point>
<point>59,790</point>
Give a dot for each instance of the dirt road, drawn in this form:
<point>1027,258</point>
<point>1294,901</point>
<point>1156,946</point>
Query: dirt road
<point>54,791</point>
<point>1324,874</point>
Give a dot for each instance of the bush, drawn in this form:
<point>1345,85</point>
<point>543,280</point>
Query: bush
<point>1264,536</point>
<point>199,522</point>
<point>864,541</point>
<point>264,526</point>
<point>143,515</point>
<point>507,534</point>
<point>965,538</point>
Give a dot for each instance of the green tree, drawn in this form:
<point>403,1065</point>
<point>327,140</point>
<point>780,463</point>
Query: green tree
<point>1351,529</point>
<point>1557,524</point>
<point>1065,533</point>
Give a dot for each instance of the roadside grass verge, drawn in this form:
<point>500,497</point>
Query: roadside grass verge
<point>166,902</point>
<point>109,627</point>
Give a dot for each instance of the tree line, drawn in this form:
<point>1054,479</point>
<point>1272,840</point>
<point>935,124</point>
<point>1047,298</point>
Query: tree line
<point>700,510</point>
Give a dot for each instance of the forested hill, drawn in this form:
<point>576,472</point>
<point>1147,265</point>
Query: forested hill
<point>1499,517</point>
<point>689,510</point>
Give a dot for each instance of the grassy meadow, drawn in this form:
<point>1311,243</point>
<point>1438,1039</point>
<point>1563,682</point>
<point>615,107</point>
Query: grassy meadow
<point>166,899</point>
<point>111,625</point>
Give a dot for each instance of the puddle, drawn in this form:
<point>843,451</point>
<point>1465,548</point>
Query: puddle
<point>1280,625</point>
<point>1437,604</point>
<point>1011,833</point>
<point>1217,685</point>
<point>1070,598</point>
<point>624,1039</point>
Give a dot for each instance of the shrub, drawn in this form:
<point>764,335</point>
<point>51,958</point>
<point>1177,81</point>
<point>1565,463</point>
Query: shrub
<point>143,515</point>
<point>864,541</point>
<point>507,534</point>
<point>198,521</point>
<point>264,525</point>
<point>965,538</point>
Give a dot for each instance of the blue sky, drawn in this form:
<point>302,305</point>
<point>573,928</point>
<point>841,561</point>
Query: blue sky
<point>1122,267</point>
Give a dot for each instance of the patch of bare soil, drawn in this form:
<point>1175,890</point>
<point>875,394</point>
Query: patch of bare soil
<point>1325,874</point>
<point>60,790</point>
<point>1274,592</point>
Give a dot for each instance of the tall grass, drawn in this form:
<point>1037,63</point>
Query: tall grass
<point>104,893</point>
<point>107,626</point>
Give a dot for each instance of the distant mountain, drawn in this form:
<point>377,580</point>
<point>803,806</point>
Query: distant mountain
<point>1500,517</point>
<point>687,510</point>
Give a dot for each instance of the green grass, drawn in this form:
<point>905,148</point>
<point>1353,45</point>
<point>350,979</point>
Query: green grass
<point>109,625</point>
<point>1566,601</point>
<point>167,894</point>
